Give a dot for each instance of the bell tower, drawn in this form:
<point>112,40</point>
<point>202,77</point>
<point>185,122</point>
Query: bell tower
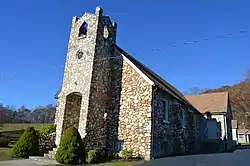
<point>84,97</point>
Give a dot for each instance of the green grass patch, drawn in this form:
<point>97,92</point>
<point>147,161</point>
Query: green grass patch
<point>6,154</point>
<point>13,131</point>
<point>20,126</point>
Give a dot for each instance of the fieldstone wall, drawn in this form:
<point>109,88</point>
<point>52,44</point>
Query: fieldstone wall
<point>89,76</point>
<point>100,90</point>
<point>201,130</point>
<point>78,72</point>
<point>230,143</point>
<point>47,142</point>
<point>171,138</point>
<point>112,118</point>
<point>191,146</point>
<point>162,142</point>
<point>135,112</point>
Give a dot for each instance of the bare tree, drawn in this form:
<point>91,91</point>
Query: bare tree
<point>247,74</point>
<point>195,91</point>
<point>247,82</point>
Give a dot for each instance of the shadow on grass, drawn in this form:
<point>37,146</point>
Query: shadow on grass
<point>7,154</point>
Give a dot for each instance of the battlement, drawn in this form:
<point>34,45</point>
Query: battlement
<point>99,13</point>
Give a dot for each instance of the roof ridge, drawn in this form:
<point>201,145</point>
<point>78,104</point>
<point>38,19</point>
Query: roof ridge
<point>206,94</point>
<point>158,79</point>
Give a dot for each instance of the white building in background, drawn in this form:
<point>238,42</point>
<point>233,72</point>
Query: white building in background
<point>218,105</point>
<point>235,131</point>
<point>243,136</point>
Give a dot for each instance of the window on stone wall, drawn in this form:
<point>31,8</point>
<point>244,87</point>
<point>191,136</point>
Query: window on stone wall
<point>165,111</point>
<point>183,118</point>
<point>105,32</point>
<point>83,30</point>
<point>194,121</point>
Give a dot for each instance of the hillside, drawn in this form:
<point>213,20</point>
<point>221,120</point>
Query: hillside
<point>240,101</point>
<point>239,97</point>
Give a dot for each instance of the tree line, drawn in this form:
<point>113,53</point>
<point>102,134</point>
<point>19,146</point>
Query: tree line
<point>41,114</point>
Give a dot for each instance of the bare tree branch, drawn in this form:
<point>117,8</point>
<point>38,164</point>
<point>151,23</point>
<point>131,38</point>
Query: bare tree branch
<point>247,74</point>
<point>195,91</point>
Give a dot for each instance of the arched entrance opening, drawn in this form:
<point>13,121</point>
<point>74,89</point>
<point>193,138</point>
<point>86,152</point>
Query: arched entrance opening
<point>72,111</point>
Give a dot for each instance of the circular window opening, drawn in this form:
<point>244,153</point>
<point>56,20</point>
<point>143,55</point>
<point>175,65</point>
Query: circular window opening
<point>79,54</point>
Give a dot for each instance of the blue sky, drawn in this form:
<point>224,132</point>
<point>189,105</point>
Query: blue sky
<point>34,37</point>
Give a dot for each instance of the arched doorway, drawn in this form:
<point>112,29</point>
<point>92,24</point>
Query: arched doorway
<point>72,110</point>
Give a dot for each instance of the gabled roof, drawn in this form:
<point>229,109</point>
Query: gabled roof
<point>234,124</point>
<point>156,79</point>
<point>243,131</point>
<point>210,102</point>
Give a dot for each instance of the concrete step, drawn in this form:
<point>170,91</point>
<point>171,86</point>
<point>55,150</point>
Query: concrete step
<point>44,159</point>
<point>47,155</point>
<point>52,152</point>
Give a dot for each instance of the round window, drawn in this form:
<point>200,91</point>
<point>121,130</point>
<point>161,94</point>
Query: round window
<point>79,54</point>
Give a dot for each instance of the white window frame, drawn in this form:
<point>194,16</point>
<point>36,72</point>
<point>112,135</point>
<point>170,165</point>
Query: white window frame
<point>165,111</point>
<point>183,119</point>
<point>241,136</point>
<point>194,118</point>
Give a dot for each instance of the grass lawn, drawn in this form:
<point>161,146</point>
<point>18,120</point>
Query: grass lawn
<point>17,126</point>
<point>6,154</point>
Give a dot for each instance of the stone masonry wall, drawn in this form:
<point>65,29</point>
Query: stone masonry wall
<point>201,130</point>
<point>229,126</point>
<point>88,76</point>
<point>172,138</point>
<point>112,118</point>
<point>78,72</point>
<point>96,127</point>
<point>47,142</point>
<point>135,112</point>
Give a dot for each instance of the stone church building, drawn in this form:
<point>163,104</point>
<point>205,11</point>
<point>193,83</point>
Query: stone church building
<point>118,103</point>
